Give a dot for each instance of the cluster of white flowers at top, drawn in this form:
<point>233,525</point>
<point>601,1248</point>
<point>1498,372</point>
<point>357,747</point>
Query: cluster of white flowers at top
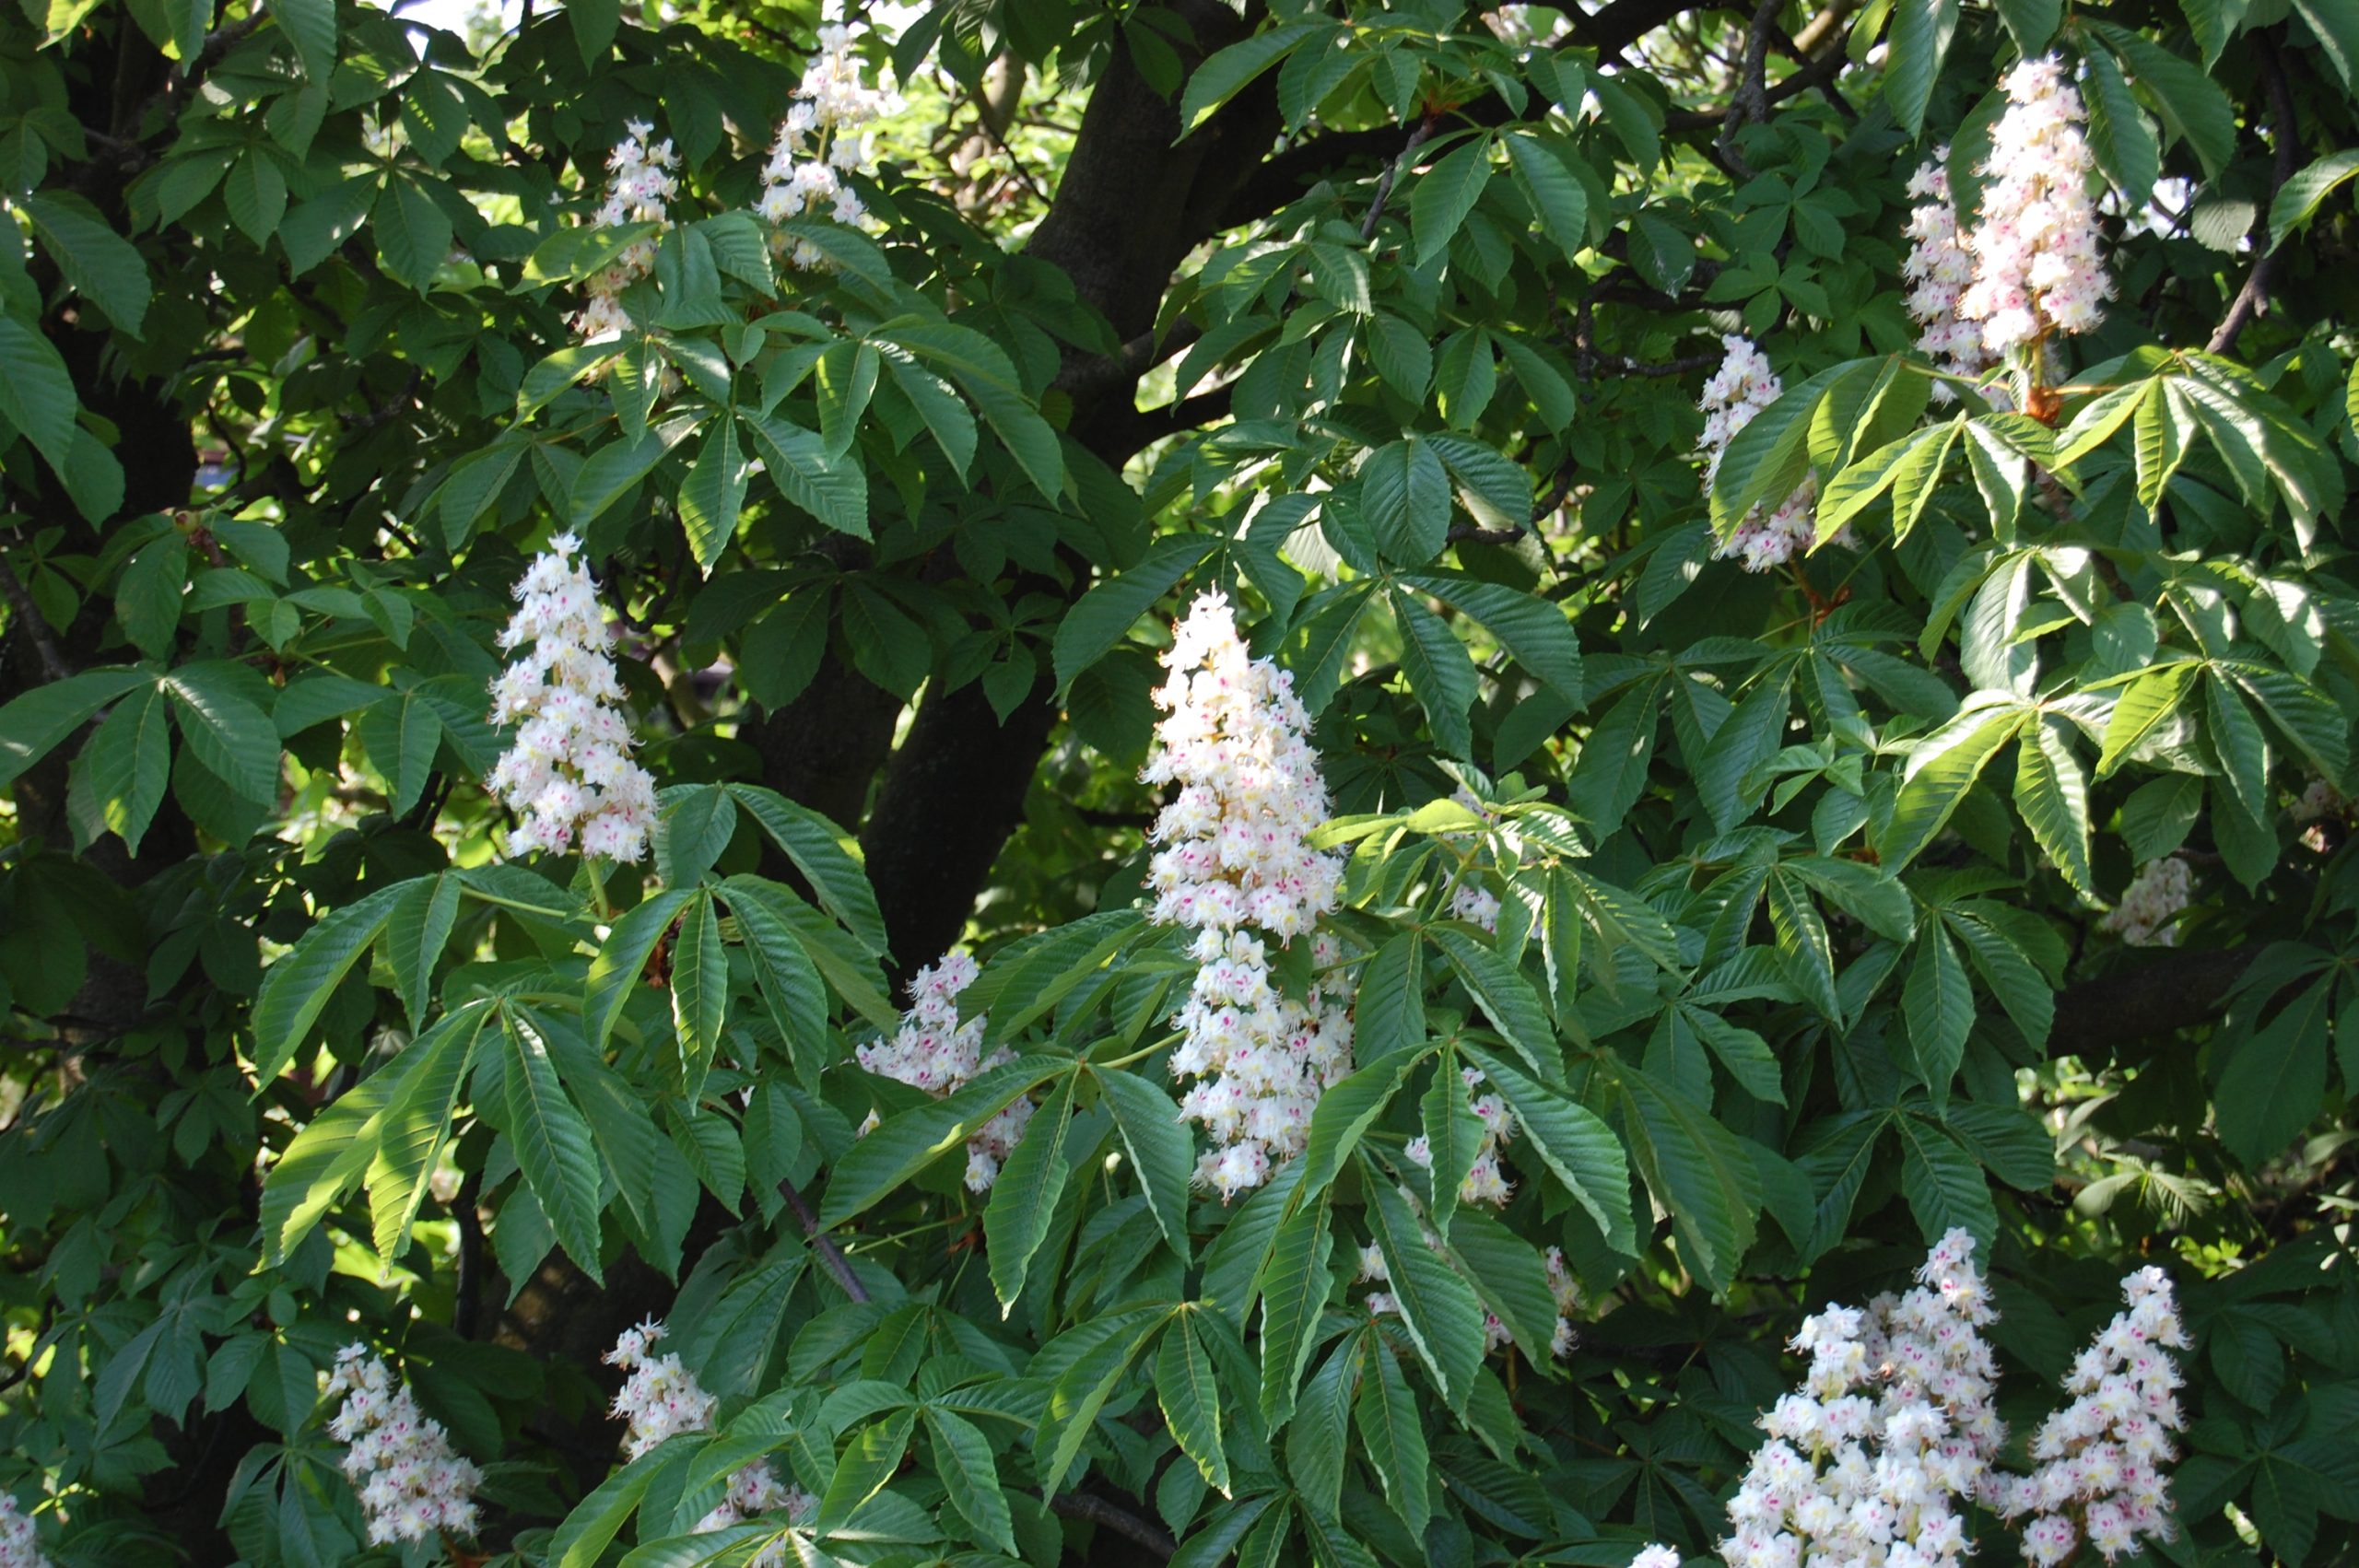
<point>2101,1457</point>
<point>821,140</point>
<point>640,190</point>
<point>2035,245</point>
<point>411,1484</point>
<point>660,1400</point>
<point>1485,1183</point>
<point>1234,853</point>
<point>934,1051</point>
<point>1938,271</point>
<point>1740,387</point>
<point>1893,1429</point>
<point>2150,904</point>
<point>569,771</point>
<point>20,1547</point>
<point>1657,1556</point>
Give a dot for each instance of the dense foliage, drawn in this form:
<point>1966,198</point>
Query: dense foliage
<point>1778,723</point>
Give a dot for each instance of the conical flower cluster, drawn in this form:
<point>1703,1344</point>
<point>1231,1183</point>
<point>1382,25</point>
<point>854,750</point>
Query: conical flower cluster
<point>2149,905</point>
<point>1740,387</point>
<point>934,1051</point>
<point>2101,1457</point>
<point>1234,864</point>
<point>821,140</point>
<point>19,1545</point>
<point>1939,270</point>
<point>569,773</point>
<point>660,1400</point>
<point>2036,264</point>
<point>411,1484</point>
<point>640,189</point>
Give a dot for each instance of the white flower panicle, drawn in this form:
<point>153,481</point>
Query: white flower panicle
<point>821,140</point>
<point>2100,1477</point>
<point>640,189</point>
<point>1656,1556</point>
<point>2149,905</point>
<point>2034,246</point>
<point>2318,800</point>
<point>1567,1292</point>
<point>1869,1461</point>
<point>1740,387</point>
<point>1233,860</point>
<point>1472,902</point>
<point>20,1546</point>
<point>569,773</point>
<point>411,1484</point>
<point>660,1400</point>
<point>1939,270</point>
<point>934,1051</point>
<point>1485,1182</point>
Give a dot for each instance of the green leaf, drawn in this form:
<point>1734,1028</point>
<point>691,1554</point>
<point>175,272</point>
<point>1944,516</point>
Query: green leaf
<point>1406,493</point>
<point>699,993</point>
<point>1294,1285</point>
<point>36,392</point>
<point>1921,30</point>
<point>1444,193</point>
<point>622,961</point>
<point>867,1462</point>
<point>963,1458</point>
<point>1938,1001</point>
<point>2054,799</point>
<point>1082,1392</point>
<point>1531,628</point>
<point>2299,197</point>
<point>784,973</point>
<point>230,734</point>
<point>831,489</point>
<point>1319,1445</point>
<point>1943,1184</point>
<point>1440,672</point>
<point>1345,1112</point>
<point>583,1538</point>
<point>1453,1137</point>
<point>128,763</point>
<point>713,494</point>
<point>2272,1079</point>
<point>1024,1198</point>
<point>1560,199</point>
<point>1102,616</point>
<point>412,233</point>
<point>552,1143</point>
<point>2119,133</point>
<point>1226,73</point>
<point>937,403</point>
<point>1160,1146</point>
<point>298,987</point>
<point>816,847</point>
<point>415,1127</point>
<point>310,25</point>
<point>1437,1309</point>
<point>2032,22</point>
<point>104,268</point>
<point>1190,1394</point>
<point>1941,769</point>
<point>1389,1425</point>
<point>419,930</point>
<point>609,473</point>
<point>2144,704</point>
<point>907,1143</point>
<point>255,192</point>
<point>324,1161</point>
<point>1699,1171</point>
<point>1577,1145</point>
<point>1504,997</point>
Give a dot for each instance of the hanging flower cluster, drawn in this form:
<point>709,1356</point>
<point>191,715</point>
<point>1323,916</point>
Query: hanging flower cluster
<point>20,1546</point>
<point>1485,1183</point>
<point>1740,387</point>
<point>2101,1457</point>
<point>2034,247</point>
<point>821,140</point>
<point>640,189</point>
<point>934,1051</point>
<point>411,1484</point>
<point>2150,904</point>
<point>660,1400</point>
<point>1893,1430</point>
<point>1234,859</point>
<point>569,773</point>
<point>1939,270</point>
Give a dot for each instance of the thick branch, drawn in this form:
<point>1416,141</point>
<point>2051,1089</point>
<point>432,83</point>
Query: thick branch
<point>831,1256</point>
<point>1121,1521</point>
<point>2181,990</point>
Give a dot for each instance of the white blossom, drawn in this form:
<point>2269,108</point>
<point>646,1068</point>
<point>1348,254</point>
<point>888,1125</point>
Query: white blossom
<point>19,1545</point>
<point>1567,1292</point>
<point>1938,271</point>
<point>1740,387</point>
<point>2035,245</point>
<point>411,1484</point>
<point>640,189</point>
<point>660,1400</point>
<point>934,1051</point>
<point>568,773</point>
<point>2101,1457</point>
<point>1234,860</point>
<point>820,141</point>
<point>2149,910</point>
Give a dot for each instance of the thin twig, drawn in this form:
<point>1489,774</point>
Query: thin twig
<point>822,1242</point>
<point>29,621</point>
<point>1121,1521</point>
<point>1749,104</point>
<point>1417,138</point>
<point>2255,292</point>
